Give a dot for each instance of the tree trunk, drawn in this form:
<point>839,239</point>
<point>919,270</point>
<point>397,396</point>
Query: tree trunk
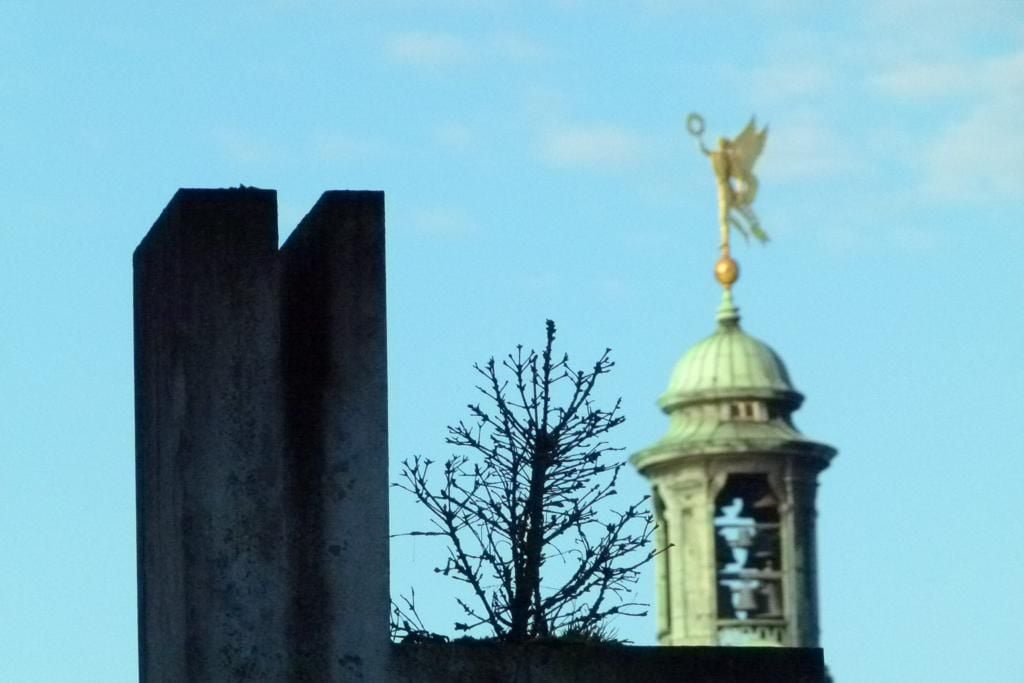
<point>528,580</point>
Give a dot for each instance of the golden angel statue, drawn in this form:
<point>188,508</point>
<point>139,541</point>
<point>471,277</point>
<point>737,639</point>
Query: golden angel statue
<point>733,164</point>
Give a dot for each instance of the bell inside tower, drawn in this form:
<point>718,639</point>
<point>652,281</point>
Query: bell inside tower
<point>748,562</point>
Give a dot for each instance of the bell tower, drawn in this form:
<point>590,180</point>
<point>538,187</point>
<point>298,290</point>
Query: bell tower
<point>733,488</point>
<point>734,481</point>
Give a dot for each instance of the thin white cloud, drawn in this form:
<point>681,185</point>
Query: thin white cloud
<point>924,80</point>
<point>912,239</point>
<point>755,9</point>
<point>799,150</point>
<point>244,148</point>
<point>428,49</point>
<point>785,81</point>
<point>937,25</point>
<point>851,225</point>
<point>443,222</point>
<point>930,80</point>
<point>979,158</point>
<point>343,147</point>
<point>780,82</point>
<point>516,48</point>
<point>595,146</point>
<point>457,137</point>
<point>615,288</point>
<point>841,238</point>
<point>545,106</point>
<point>659,7</point>
<point>431,49</point>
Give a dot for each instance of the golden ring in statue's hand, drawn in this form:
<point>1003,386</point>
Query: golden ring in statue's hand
<point>695,124</point>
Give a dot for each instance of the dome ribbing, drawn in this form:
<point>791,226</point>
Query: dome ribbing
<point>729,364</point>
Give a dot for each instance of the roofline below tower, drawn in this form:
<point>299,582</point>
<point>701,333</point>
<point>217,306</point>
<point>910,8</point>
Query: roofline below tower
<point>655,456</point>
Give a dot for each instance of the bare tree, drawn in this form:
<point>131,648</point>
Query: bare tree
<point>523,504</point>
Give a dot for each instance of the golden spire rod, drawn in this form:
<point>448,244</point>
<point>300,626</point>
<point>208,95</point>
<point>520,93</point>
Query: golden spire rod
<point>733,164</point>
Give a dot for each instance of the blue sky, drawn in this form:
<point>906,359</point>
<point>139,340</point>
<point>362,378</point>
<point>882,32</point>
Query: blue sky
<point>536,165</point>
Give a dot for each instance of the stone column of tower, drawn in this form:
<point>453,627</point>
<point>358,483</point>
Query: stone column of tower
<point>733,488</point>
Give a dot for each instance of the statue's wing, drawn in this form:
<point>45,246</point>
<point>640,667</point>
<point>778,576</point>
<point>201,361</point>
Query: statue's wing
<point>748,145</point>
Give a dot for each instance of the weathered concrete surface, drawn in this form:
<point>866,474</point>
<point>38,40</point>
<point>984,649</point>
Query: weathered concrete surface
<point>335,362</point>
<point>581,663</point>
<point>261,441</point>
<point>212,567</point>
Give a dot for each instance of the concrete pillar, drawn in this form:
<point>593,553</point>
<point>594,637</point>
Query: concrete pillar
<point>261,441</point>
<point>335,361</point>
<point>212,566</point>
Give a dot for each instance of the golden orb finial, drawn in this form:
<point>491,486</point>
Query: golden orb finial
<point>727,271</point>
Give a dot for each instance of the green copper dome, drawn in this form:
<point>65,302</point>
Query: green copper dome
<point>730,394</point>
<point>729,364</point>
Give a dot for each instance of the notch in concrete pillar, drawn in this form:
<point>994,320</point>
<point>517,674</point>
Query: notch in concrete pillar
<point>335,378</point>
<point>211,533</point>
